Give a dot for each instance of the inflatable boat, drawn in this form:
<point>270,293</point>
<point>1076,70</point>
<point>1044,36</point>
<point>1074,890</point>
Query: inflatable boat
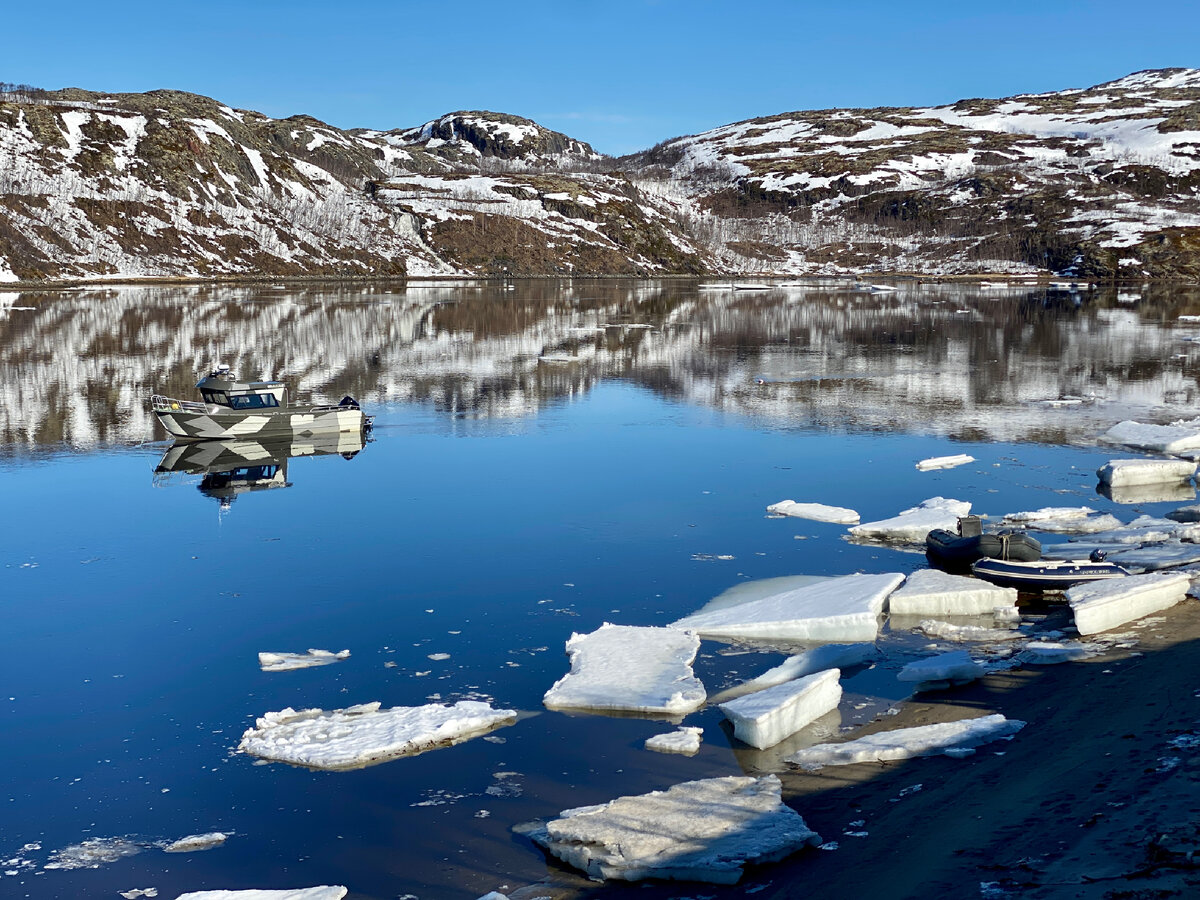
<point>1046,575</point>
<point>949,550</point>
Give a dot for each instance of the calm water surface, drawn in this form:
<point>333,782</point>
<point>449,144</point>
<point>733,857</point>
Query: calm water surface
<point>546,457</point>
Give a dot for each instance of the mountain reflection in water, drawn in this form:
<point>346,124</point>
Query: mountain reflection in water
<point>1016,363</point>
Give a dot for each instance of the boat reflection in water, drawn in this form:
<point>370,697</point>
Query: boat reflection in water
<point>231,468</point>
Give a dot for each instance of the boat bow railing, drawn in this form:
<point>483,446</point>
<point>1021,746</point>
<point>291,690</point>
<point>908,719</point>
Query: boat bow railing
<point>169,404</point>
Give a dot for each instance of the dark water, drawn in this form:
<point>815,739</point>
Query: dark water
<point>504,502</point>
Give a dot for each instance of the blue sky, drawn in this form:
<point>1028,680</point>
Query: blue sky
<point>621,74</point>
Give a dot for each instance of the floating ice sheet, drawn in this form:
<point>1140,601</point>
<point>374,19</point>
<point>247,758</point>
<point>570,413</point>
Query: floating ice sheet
<point>929,592</point>
<point>1048,653</point>
<point>818,659</point>
<point>766,717</point>
<point>629,667</point>
<point>944,462</point>
<point>1105,604</point>
<point>1064,520</point>
<point>364,735</point>
<point>839,609</point>
<point>195,842</point>
<point>1158,556</point>
<point>955,667</point>
<point>695,831</point>
<point>323,892</point>
<point>818,512</point>
<point>685,740</point>
<point>1127,472</point>
<point>904,743</point>
<point>1162,438</point>
<point>286,662</point>
<point>953,631</point>
<point>912,525</point>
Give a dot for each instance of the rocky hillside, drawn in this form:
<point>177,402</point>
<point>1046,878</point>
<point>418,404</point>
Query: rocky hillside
<point>1101,183</point>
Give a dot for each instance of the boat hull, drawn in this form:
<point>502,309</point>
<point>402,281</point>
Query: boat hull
<point>291,422</point>
<point>1045,576</point>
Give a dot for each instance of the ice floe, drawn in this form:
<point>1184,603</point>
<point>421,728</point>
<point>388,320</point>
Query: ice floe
<point>818,512</point>
<point>194,842</point>
<point>286,662</point>
<point>952,631</point>
<point>1102,605</point>
<point>818,659</point>
<point>944,462</point>
<point>1162,438</point>
<point>1157,556</point>
<point>630,667</point>
<point>929,592</point>
<point>93,853</point>
<point>1064,520</point>
<point>365,734</point>
<point>1188,514</point>
<point>685,740</point>
<point>838,609</point>
<point>766,717</point>
<point>951,738</point>
<point>1127,472</point>
<point>955,667</point>
<point>695,831</point>
<point>1048,653</point>
<point>322,892</point>
<point>912,525</point>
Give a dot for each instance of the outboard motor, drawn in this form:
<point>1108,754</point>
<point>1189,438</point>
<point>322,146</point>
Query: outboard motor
<point>1098,555</point>
<point>349,402</point>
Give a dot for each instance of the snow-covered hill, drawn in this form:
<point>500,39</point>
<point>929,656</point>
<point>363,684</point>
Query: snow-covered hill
<point>1102,183</point>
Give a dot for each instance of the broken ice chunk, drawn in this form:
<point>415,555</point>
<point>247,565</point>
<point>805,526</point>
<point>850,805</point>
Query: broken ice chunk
<point>904,743</point>
<point>955,667</point>
<point>194,842</point>
<point>323,892</point>
<point>766,717</point>
<point>685,740</point>
<point>818,512</point>
<point>818,659</point>
<point>929,592</point>
<point>285,662</point>
<point>695,831</point>
<point>944,462</point>
<point>913,525</point>
<point>630,667</point>
<point>1162,438</point>
<point>1048,653</point>
<point>838,609</point>
<point>1127,472</point>
<point>1064,520</point>
<point>364,735</point>
<point>1101,605</point>
<point>93,853</point>
<point>953,631</point>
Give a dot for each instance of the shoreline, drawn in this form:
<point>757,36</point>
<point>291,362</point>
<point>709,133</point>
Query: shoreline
<point>1068,808</point>
<point>1032,281</point>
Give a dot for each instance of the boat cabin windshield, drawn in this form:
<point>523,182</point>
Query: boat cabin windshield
<point>252,401</point>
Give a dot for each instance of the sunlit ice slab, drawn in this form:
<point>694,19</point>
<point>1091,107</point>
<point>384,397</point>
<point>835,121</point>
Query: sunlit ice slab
<point>1163,438</point>
<point>839,609</point>
<point>818,512</point>
<point>695,831</point>
<point>912,525</point>
<point>948,738</point>
<point>365,735</point>
<point>808,662</point>
<point>930,592</point>
<point>630,668</point>
<point>764,718</point>
<point>1102,605</point>
<point>1130,472</point>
